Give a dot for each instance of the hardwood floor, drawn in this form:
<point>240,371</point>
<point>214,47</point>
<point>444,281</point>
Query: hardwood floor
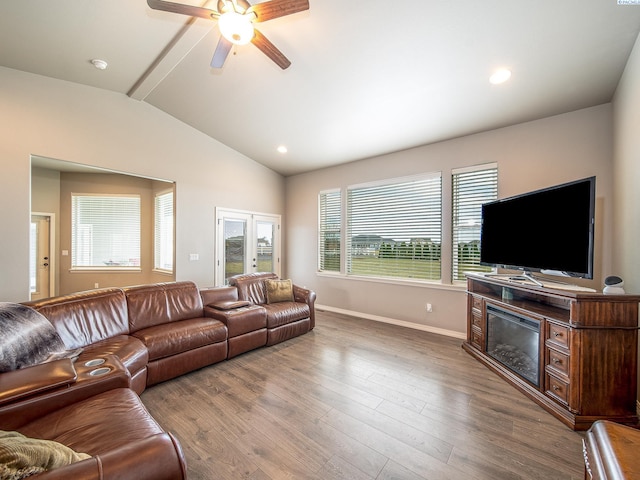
<point>357,399</point>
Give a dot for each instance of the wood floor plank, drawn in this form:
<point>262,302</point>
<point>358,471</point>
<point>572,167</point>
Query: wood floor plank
<point>406,455</point>
<point>337,468</point>
<point>357,399</point>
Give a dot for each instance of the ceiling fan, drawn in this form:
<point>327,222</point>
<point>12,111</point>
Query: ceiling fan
<point>236,19</point>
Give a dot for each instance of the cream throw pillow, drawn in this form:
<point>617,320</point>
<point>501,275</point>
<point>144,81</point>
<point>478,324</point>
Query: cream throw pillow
<point>279,291</point>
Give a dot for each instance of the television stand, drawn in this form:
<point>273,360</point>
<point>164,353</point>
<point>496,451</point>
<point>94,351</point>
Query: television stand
<point>586,350</point>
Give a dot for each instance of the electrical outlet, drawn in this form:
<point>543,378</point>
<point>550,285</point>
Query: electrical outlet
<point>429,308</point>
<point>96,285</point>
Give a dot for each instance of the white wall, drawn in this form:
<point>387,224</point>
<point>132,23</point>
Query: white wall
<point>530,156</point>
<point>626,121</point>
<point>65,121</point>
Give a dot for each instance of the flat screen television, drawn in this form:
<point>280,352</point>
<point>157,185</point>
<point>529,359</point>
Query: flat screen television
<point>549,230</point>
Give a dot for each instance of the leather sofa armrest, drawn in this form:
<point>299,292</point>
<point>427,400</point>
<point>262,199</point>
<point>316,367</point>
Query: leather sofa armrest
<point>25,382</point>
<point>230,305</point>
<point>222,298</point>
<point>158,457</point>
<point>304,295</point>
<point>23,410</point>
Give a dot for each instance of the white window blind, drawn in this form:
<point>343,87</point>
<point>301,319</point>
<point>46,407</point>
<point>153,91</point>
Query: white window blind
<point>163,232</point>
<point>329,230</point>
<point>394,228</point>
<point>105,231</point>
<point>471,188</point>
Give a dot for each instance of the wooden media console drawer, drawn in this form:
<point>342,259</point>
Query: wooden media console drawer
<point>557,362</point>
<point>557,389</point>
<point>559,335</point>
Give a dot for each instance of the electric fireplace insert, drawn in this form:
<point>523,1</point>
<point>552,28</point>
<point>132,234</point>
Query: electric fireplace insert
<point>514,341</point>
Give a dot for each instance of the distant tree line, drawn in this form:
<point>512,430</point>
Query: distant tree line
<point>414,250</point>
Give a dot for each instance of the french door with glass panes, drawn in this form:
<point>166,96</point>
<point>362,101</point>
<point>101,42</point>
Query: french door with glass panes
<point>246,242</point>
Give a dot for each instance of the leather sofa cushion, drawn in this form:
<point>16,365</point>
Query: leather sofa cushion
<point>251,286</point>
<point>98,424</point>
<point>283,313</point>
<point>86,317</point>
<point>180,336</point>
<point>160,303</point>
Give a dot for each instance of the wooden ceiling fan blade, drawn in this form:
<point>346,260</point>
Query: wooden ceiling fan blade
<point>222,52</point>
<point>270,50</point>
<point>183,9</point>
<point>278,8</point>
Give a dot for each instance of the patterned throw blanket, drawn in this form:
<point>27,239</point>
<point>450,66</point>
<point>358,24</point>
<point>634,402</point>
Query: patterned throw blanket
<point>27,338</point>
<point>21,457</point>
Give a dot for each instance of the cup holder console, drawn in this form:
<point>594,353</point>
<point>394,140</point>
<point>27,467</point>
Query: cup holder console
<point>99,371</point>
<point>95,362</point>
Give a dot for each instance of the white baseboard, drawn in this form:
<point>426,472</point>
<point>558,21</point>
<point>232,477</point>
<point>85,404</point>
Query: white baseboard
<point>394,321</point>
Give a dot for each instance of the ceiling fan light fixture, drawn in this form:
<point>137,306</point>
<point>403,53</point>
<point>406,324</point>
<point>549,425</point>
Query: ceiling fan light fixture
<point>236,28</point>
<point>500,76</point>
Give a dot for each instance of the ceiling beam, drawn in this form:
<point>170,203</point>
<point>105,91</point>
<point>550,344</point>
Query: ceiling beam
<point>176,50</point>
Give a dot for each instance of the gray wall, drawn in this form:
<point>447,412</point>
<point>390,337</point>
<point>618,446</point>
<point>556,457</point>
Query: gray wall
<point>60,120</point>
<point>626,156</point>
<point>56,119</point>
<point>626,121</point>
<point>530,156</point>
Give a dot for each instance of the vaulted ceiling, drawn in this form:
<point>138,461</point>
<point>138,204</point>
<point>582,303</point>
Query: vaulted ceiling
<point>367,78</point>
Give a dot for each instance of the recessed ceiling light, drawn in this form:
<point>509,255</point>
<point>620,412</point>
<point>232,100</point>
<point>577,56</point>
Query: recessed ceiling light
<point>282,149</point>
<point>99,64</point>
<point>500,76</point>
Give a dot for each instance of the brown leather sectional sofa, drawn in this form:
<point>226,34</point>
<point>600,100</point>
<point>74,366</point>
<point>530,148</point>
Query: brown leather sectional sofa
<point>132,338</point>
<point>252,321</point>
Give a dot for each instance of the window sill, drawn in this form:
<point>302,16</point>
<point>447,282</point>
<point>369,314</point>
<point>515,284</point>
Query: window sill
<point>162,272</point>
<point>105,269</point>
<point>458,286</point>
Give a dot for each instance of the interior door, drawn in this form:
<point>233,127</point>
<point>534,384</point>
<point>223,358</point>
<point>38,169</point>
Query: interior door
<point>246,242</point>
<point>40,265</point>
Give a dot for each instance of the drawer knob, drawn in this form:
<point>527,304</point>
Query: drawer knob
<point>557,361</point>
<point>557,334</point>
<point>555,388</point>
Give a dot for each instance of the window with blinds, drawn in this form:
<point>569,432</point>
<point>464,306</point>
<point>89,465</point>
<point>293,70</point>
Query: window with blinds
<point>163,232</point>
<point>471,187</point>
<point>105,231</point>
<point>329,230</point>
<point>394,228</point>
